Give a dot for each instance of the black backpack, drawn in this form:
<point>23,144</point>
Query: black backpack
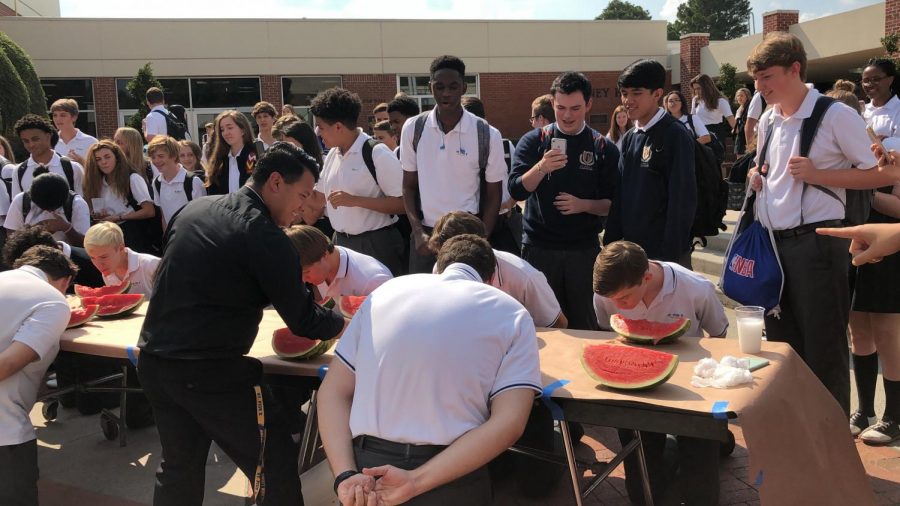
<point>67,205</point>
<point>67,168</point>
<point>188,186</point>
<point>717,147</point>
<point>175,128</point>
<point>402,221</point>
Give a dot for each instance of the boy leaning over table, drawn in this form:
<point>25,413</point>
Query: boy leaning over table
<point>627,283</point>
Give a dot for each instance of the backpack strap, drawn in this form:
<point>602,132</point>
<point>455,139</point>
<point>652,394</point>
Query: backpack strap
<point>20,174</point>
<point>68,170</point>
<point>260,147</point>
<point>188,186</point>
<point>690,120</point>
<point>157,185</point>
<point>418,128</point>
<point>367,149</point>
<point>68,205</point>
<point>26,205</point>
<point>483,132</point>
<point>545,135</point>
<point>808,130</point>
<point>131,201</point>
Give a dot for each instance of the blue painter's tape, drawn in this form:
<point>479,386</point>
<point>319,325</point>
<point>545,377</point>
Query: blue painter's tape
<point>719,410</point>
<point>759,478</point>
<point>322,371</point>
<point>554,408</point>
<point>131,356</point>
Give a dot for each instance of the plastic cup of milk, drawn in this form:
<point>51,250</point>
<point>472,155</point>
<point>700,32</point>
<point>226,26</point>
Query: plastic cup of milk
<point>750,324</point>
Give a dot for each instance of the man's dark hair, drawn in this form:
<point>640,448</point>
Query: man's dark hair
<point>647,74</point>
<point>337,105</point>
<point>570,82</point>
<point>49,191</point>
<point>474,105</point>
<point>155,95</point>
<point>471,250</point>
<point>48,259</point>
<point>20,241</point>
<point>33,122</point>
<point>448,62</point>
<point>286,159</point>
<point>453,224</point>
<point>404,105</point>
<point>619,265</point>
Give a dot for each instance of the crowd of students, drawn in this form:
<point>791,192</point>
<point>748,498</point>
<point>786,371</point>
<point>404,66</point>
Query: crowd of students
<point>424,218</point>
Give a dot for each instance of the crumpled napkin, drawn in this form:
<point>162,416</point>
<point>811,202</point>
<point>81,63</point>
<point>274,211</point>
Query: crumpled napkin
<point>730,372</point>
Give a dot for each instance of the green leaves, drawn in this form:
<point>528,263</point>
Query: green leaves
<point>721,19</point>
<point>620,9</point>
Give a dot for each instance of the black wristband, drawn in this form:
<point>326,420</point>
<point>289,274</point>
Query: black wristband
<point>343,476</point>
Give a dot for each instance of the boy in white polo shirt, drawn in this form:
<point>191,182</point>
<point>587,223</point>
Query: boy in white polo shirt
<point>50,204</point>
<point>105,244</point>
<point>36,134</point>
<point>72,142</point>
<point>173,187</point>
<point>386,407</point>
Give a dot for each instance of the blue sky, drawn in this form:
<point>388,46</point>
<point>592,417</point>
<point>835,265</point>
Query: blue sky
<point>414,9</point>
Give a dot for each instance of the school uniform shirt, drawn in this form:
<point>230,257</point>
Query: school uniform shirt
<point>529,286</point>
<point>141,272</point>
<point>4,200</point>
<point>684,294</point>
<point>236,172</point>
<point>79,144</point>
<point>586,175</point>
<point>81,216</point>
<point>114,203</point>
<point>264,145</point>
<point>699,129</point>
<point>171,196</point>
<point>840,142</point>
<point>155,123</point>
<point>357,275</point>
<point>430,351</point>
<point>347,172</point>
<point>711,116</point>
<point>884,120</point>
<point>755,109</point>
<point>35,314</point>
<point>447,165</point>
<point>55,167</point>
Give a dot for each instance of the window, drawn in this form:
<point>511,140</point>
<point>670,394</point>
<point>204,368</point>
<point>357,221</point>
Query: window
<point>225,93</point>
<point>417,87</point>
<point>175,91</point>
<point>300,90</point>
<point>80,90</point>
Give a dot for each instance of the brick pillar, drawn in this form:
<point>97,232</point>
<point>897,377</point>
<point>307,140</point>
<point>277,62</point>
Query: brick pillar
<point>691,44</point>
<point>6,10</point>
<point>779,21</point>
<point>106,106</point>
<point>270,88</point>
<point>891,16</point>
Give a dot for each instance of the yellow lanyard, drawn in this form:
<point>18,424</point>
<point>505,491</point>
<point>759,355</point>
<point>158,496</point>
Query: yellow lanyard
<point>259,480</point>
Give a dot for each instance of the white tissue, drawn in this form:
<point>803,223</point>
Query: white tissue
<point>730,372</point>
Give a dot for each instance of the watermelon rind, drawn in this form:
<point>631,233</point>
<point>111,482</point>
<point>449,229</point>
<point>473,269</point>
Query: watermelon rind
<point>115,306</point>
<point>643,353</point>
<point>616,323</point>
<point>315,351</point>
<point>355,301</point>
<point>82,315</point>
<point>88,291</point>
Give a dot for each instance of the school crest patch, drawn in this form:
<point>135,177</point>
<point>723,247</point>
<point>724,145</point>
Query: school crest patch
<point>587,158</point>
<point>645,155</point>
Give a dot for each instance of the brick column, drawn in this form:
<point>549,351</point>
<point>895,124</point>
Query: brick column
<point>106,106</point>
<point>270,90</point>
<point>6,10</point>
<point>779,21</point>
<point>691,44</point>
<point>891,16</point>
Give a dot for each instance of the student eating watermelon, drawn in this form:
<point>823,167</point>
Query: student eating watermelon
<point>105,244</point>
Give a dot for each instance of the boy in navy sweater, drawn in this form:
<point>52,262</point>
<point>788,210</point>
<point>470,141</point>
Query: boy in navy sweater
<point>656,191</point>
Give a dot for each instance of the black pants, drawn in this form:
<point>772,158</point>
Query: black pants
<point>19,475</point>
<point>473,489</point>
<point>569,273</point>
<point>504,237</point>
<point>199,401</point>
<point>815,308</point>
<point>384,245</point>
<point>420,264</point>
<point>697,462</point>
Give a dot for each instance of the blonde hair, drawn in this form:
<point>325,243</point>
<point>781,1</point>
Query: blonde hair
<point>163,142</point>
<point>844,85</point>
<point>66,105</point>
<point>105,233</point>
<point>119,180</point>
<point>134,147</point>
<point>778,49</point>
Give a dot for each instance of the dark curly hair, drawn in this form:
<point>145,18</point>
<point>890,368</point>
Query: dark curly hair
<point>337,105</point>
<point>570,82</point>
<point>448,62</point>
<point>890,69</point>
<point>404,105</point>
<point>21,240</point>
<point>35,122</point>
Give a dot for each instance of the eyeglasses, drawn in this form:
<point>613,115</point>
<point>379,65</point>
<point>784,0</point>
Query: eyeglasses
<point>874,80</point>
<point>531,119</point>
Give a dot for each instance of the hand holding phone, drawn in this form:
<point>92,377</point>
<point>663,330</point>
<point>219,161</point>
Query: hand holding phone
<point>875,140</point>
<point>559,144</point>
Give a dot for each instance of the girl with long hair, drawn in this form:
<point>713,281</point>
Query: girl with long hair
<point>674,103</point>
<point>742,97</point>
<point>131,143</point>
<point>190,156</point>
<point>711,107</point>
<point>233,154</point>
<point>618,126</point>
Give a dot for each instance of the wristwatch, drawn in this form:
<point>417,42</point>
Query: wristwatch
<point>343,476</point>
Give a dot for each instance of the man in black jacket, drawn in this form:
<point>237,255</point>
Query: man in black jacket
<point>203,318</point>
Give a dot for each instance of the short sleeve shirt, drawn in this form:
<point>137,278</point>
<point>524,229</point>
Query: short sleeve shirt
<point>118,204</point>
<point>712,116</point>
<point>155,123</point>
<point>141,272</point>
<point>884,120</point>
<point>527,285</point>
<point>55,166</point>
<point>79,144</point>
<point>81,216</point>
<point>171,196</point>
<point>358,274</point>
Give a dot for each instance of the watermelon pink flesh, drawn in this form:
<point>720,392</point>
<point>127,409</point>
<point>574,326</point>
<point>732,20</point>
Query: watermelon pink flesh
<point>647,331</point>
<point>82,315</point>
<point>87,291</point>
<point>350,304</point>
<point>628,367</point>
<point>115,305</point>
<point>288,345</point>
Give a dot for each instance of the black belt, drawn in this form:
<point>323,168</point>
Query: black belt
<point>367,232</point>
<point>384,446</point>
<point>806,229</point>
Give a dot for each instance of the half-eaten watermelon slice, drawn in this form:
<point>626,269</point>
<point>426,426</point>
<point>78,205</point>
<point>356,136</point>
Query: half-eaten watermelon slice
<point>288,345</point>
<point>87,291</point>
<point>82,315</point>
<point>115,306</point>
<point>350,304</point>
<point>627,367</point>
<point>649,332</point>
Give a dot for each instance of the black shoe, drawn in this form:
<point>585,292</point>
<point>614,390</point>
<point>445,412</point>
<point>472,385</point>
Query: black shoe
<point>859,422</point>
<point>882,433</point>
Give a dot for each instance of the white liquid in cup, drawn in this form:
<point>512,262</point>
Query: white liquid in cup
<point>750,334</point>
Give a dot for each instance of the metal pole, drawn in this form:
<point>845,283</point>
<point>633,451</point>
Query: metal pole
<point>570,457</point>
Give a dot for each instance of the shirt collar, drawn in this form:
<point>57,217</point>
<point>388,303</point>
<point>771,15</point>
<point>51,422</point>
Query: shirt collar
<point>658,116</point>
<point>34,271</point>
<point>583,126</point>
<point>54,161</point>
<point>356,147</point>
<point>457,271</point>
<point>178,178</point>
<point>133,264</point>
<point>344,265</point>
<point>160,107</point>
<point>464,122</point>
<point>890,105</point>
<point>806,107</point>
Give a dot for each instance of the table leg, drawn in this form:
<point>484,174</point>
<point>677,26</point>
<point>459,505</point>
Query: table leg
<point>570,458</point>
<point>122,407</point>
<point>310,434</point>
<point>645,476</point>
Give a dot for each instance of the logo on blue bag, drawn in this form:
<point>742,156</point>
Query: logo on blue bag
<point>742,266</point>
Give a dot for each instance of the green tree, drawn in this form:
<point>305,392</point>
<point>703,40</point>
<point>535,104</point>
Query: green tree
<point>727,82</point>
<point>13,98</point>
<point>37,101</point>
<point>621,9</point>
<point>137,89</point>
<point>721,19</point>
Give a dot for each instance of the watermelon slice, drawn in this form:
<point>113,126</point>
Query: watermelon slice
<point>82,315</point>
<point>649,332</point>
<point>628,367</point>
<point>114,306</point>
<point>87,291</point>
<point>350,304</point>
<point>288,345</point>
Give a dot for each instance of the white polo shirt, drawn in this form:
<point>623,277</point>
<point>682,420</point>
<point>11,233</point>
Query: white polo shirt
<point>884,120</point>
<point>81,216</point>
<point>699,128</point>
<point>840,142</point>
<point>357,274</point>
<point>141,273</point>
<point>755,109</point>
<point>711,116</point>
<point>79,144</point>
<point>155,123</point>
<point>55,167</point>
<point>35,314</point>
<point>4,200</point>
<point>684,294</point>
<point>171,196</point>
<point>429,353</point>
<point>347,172</point>
<point>114,203</point>
<point>527,285</point>
<point>447,165</point>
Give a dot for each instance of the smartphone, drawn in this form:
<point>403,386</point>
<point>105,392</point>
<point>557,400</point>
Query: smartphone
<point>874,138</point>
<point>558,144</point>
